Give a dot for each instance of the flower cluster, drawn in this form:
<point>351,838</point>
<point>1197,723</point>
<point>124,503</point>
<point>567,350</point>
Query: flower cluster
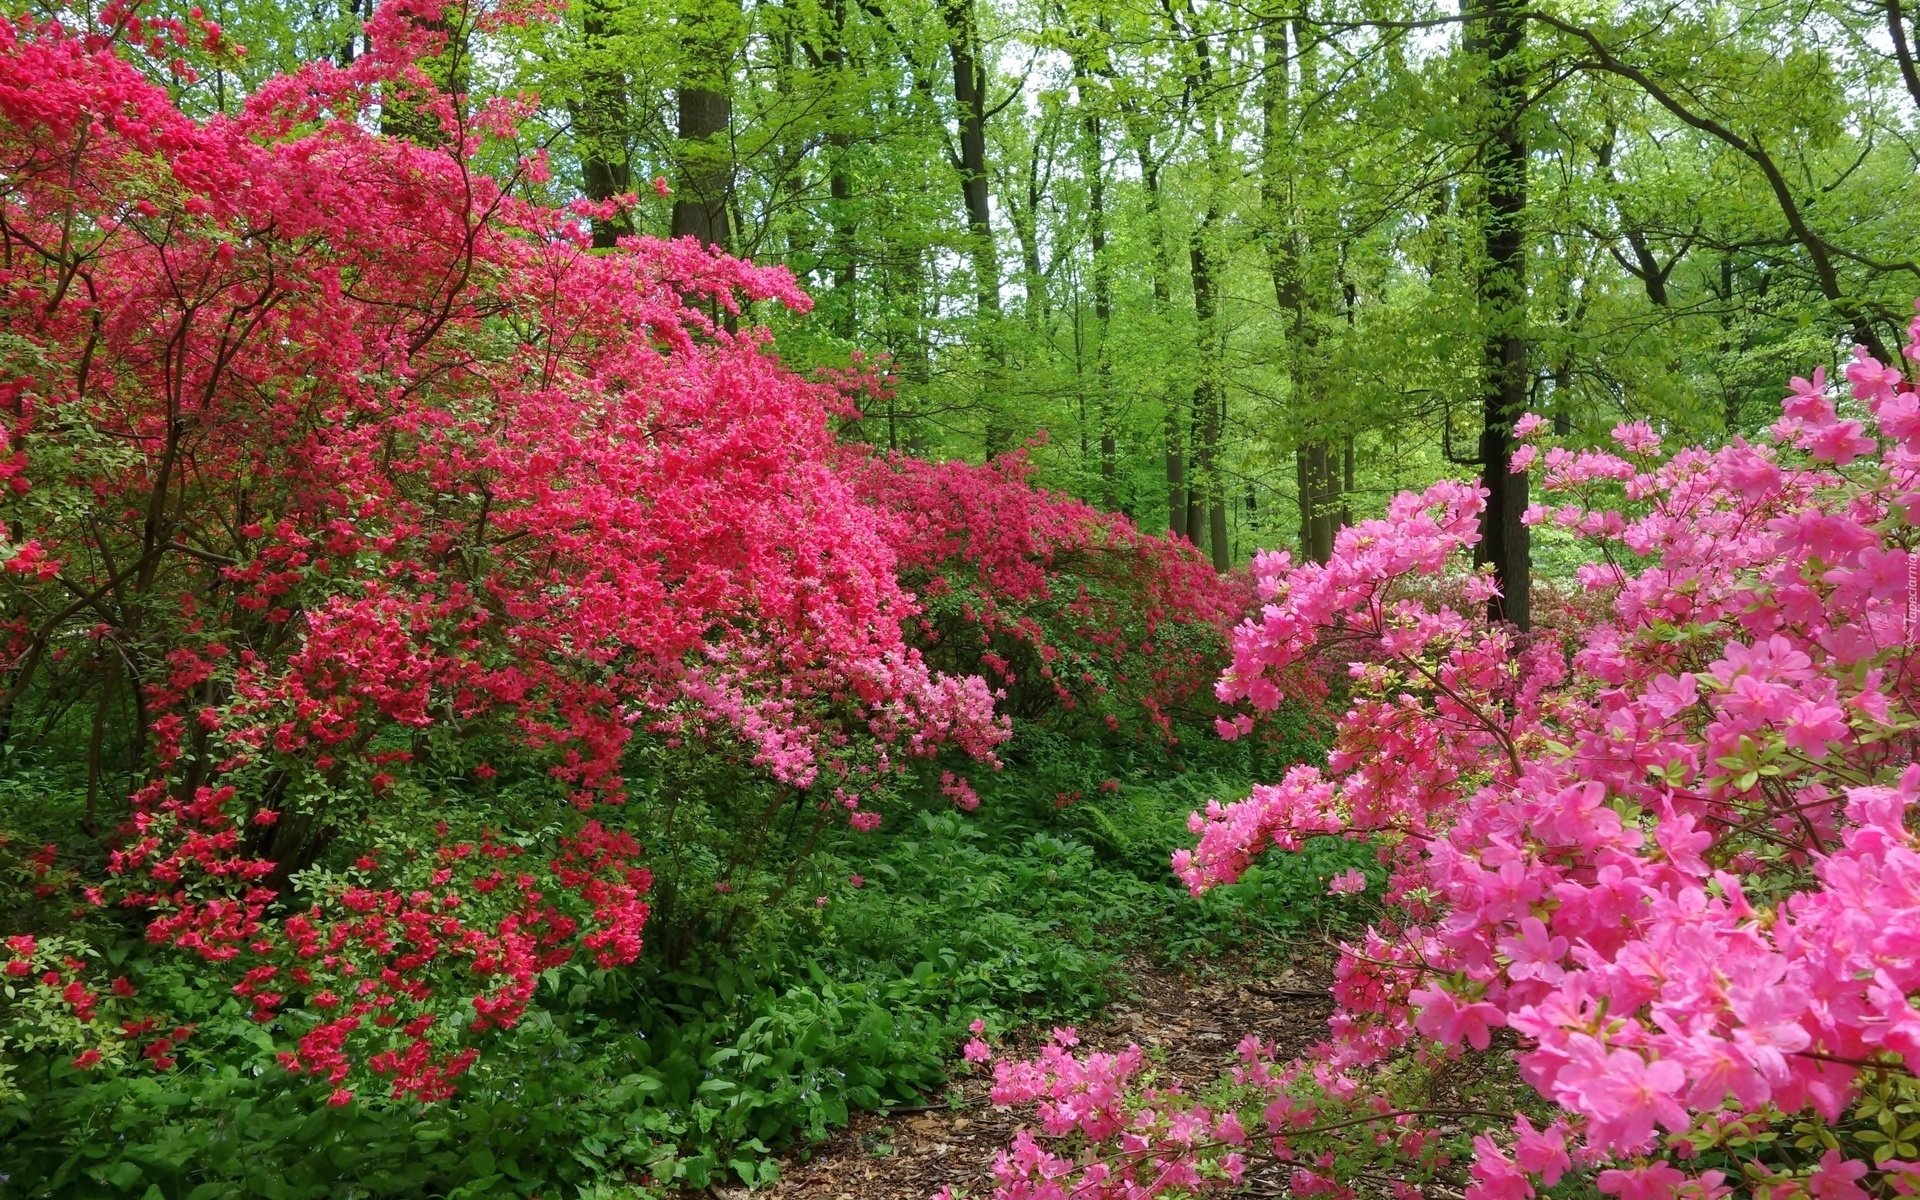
<point>346,479</point>
<point>1659,854</point>
<point>1080,619</point>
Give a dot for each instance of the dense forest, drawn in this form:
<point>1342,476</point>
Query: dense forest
<point>624,600</point>
<point>1250,270</point>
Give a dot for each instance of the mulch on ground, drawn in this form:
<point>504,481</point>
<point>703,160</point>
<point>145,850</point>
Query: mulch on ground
<point>1195,1020</point>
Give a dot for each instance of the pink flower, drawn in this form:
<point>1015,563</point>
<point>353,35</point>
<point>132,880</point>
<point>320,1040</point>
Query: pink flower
<point>1623,1095</point>
<point>1807,398</point>
<point>1554,815</point>
<point>1636,437</point>
<point>959,791</point>
<point>1347,882</point>
<point>1837,1178</point>
<point>1534,954</point>
<point>1495,1177</point>
<point>1656,1181</point>
<point>1839,443</point>
<point>1871,381</point>
<point>1542,1153</point>
<point>1444,1018</point>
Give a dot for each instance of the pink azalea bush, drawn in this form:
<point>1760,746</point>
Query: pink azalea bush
<point>1653,863</point>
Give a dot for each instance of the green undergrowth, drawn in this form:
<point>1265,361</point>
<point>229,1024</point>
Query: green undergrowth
<point>837,999</point>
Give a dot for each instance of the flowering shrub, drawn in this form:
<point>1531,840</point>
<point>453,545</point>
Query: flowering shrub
<point>351,482</point>
<point>1659,856</point>
<point>1088,624</point>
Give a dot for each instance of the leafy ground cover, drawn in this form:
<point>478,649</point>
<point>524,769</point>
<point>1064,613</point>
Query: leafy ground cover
<point>1188,1017</point>
<point>703,1072</point>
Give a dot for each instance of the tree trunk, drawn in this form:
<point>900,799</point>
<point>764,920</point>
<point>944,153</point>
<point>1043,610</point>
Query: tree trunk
<point>1320,505</point>
<point>1287,261</point>
<point>840,210</point>
<point>846,307</point>
<point>710,35</point>
<point>1903,49</point>
<point>1093,171</point>
<point>700,204</point>
<point>1176,476</point>
<point>1037,308</point>
<point>1496,31</point>
<point>1194,524</point>
<point>970,103</point>
<point>1346,485</point>
<point>1160,269</point>
<point>600,122</point>
<point>1207,502</point>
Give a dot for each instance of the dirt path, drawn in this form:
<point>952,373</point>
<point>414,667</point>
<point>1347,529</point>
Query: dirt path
<point>1197,1020</point>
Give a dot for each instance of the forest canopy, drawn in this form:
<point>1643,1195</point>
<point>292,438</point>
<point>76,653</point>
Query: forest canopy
<point>1253,268</point>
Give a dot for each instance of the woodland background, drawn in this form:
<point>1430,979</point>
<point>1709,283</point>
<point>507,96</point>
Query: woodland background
<point>1253,268</point>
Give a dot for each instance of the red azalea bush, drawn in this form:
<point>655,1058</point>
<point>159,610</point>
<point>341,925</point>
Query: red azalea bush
<point>342,475</point>
<point>1658,855</point>
<point>1089,625</point>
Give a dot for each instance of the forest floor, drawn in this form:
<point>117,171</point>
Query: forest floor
<point>1190,1021</point>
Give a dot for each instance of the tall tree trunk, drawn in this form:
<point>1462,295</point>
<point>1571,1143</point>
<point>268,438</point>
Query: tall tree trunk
<point>1037,308</point>
<point>1093,171</point>
<point>1207,502</point>
<point>1161,269</point>
<point>600,122</point>
<point>905,286</point>
<point>846,307</point>
<point>1206,494</point>
<point>970,103</point>
<point>350,46</point>
<point>1320,500</point>
<point>1176,458</point>
<point>1903,49</point>
<point>1195,521</point>
<point>841,216</point>
<point>1287,260</point>
<point>1496,32</point>
<point>1346,484</point>
<point>710,35</point>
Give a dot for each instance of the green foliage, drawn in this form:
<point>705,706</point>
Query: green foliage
<point>832,998</point>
